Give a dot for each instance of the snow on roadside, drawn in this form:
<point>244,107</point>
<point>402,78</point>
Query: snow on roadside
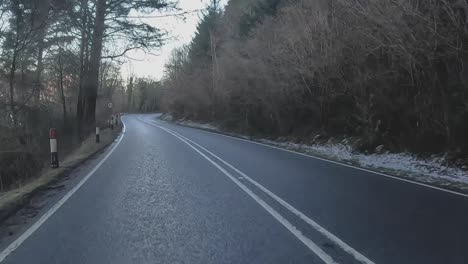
<point>199,125</point>
<point>432,170</point>
<point>404,164</point>
<point>170,118</point>
<point>166,117</point>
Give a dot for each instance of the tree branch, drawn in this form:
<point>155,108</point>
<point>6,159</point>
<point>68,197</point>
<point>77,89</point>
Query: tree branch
<point>121,54</point>
<point>168,15</point>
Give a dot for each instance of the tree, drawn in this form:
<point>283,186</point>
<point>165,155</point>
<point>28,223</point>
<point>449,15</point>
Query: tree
<point>130,87</point>
<point>40,22</point>
<point>112,15</point>
<point>389,72</point>
<point>17,41</point>
<point>257,13</point>
<point>58,57</point>
<point>89,94</point>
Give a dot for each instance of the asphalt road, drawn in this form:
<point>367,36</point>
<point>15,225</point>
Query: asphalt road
<point>172,194</point>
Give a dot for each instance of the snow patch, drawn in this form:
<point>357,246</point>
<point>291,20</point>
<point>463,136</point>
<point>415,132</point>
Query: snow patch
<point>209,126</point>
<point>432,170</point>
<point>167,117</point>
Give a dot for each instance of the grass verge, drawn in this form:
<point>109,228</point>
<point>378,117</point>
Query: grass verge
<point>11,201</point>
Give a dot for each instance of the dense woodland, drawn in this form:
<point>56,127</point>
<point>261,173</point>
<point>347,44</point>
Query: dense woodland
<point>60,66</point>
<point>390,72</point>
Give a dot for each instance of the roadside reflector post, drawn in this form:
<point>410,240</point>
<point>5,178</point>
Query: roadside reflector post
<point>98,131</point>
<point>54,163</point>
<point>112,121</point>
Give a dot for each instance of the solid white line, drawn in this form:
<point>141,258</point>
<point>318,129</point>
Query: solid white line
<point>297,233</point>
<point>13,246</point>
<point>335,162</point>
<point>358,256</point>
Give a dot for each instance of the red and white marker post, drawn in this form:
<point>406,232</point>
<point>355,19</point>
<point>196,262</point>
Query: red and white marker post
<point>54,162</point>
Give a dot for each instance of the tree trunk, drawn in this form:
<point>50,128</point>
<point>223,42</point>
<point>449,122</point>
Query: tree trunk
<point>62,94</point>
<point>40,26</point>
<point>130,94</point>
<point>92,79</point>
<point>83,63</point>
<point>14,61</point>
<point>37,82</point>
<point>463,31</point>
<point>12,87</point>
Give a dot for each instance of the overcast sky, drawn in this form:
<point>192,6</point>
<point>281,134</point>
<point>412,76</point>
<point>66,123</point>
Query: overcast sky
<point>149,65</point>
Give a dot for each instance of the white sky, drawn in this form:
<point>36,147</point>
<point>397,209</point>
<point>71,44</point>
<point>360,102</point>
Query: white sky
<point>182,31</point>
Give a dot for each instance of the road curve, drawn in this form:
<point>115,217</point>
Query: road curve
<point>172,194</point>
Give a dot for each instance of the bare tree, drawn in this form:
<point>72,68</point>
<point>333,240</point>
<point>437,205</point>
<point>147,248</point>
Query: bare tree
<point>390,72</point>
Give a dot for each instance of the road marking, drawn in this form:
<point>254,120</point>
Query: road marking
<point>15,244</point>
<point>296,232</point>
<point>358,256</point>
<point>336,162</point>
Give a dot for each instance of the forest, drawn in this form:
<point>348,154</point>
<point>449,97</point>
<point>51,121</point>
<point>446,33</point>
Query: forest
<point>387,72</point>
<point>60,67</point>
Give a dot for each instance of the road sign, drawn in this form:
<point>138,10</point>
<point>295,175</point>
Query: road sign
<point>109,105</point>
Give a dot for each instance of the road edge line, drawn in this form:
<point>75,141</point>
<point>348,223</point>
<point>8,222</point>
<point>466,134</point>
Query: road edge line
<point>18,241</point>
<point>328,160</point>
<point>358,256</point>
<point>290,227</point>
